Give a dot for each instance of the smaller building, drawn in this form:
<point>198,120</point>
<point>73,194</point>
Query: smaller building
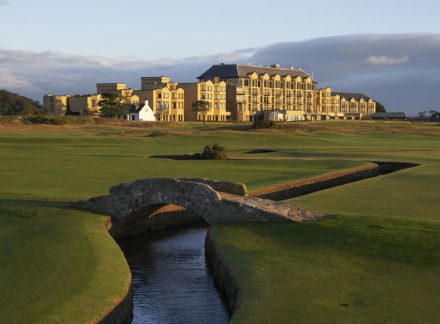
<point>140,113</point>
<point>56,105</point>
<point>356,105</point>
<point>328,105</point>
<point>165,97</point>
<point>120,89</point>
<point>294,116</point>
<point>276,116</point>
<point>85,104</point>
<point>213,92</point>
<point>114,88</point>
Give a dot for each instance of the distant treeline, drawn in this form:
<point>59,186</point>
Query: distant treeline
<point>14,104</point>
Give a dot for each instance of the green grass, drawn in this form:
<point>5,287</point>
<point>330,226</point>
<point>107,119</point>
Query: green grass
<point>374,259</point>
<point>60,265</point>
<point>341,270</point>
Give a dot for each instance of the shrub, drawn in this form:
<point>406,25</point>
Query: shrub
<point>264,124</point>
<point>37,119</point>
<point>214,152</point>
<point>197,156</point>
<point>58,120</point>
<point>159,133</point>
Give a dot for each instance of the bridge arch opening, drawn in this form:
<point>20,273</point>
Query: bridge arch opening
<point>157,217</point>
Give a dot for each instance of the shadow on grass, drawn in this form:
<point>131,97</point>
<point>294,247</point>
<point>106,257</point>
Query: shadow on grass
<point>387,239</point>
<point>105,155</point>
<point>234,127</point>
<point>34,203</point>
<point>17,208</point>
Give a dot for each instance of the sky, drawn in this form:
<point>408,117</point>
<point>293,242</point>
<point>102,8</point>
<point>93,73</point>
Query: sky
<point>387,49</point>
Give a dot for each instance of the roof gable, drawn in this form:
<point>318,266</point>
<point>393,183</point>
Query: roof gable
<point>349,95</point>
<point>230,71</point>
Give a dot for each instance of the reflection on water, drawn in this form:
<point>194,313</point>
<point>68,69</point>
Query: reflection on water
<point>171,282</point>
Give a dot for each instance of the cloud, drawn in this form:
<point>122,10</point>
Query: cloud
<point>402,71</point>
<point>385,60</point>
<point>36,73</point>
<point>4,2</point>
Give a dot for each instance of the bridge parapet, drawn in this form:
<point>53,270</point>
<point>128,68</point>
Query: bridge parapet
<point>127,202</point>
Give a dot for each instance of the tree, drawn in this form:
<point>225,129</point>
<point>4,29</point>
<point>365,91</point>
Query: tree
<point>380,108</point>
<point>161,112</point>
<point>112,105</point>
<point>202,107</point>
<point>434,114</point>
<point>214,152</point>
<point>422,114</point>
<point>14,104</point>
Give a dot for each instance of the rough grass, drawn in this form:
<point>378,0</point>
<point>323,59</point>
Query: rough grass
<point>59,264</point>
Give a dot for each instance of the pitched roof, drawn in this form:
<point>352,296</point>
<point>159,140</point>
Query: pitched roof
<point>230,71</point>
<point>349,95</point>
<point>133,109</point>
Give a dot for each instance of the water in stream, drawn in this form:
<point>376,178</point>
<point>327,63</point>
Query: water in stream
<point>171,281</point>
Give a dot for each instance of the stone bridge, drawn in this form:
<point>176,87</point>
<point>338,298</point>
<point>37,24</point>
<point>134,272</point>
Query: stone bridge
<point>130,205</point>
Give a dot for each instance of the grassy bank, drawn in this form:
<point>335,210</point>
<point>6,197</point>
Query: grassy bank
<point>59,264</point>
<point>374,259</point>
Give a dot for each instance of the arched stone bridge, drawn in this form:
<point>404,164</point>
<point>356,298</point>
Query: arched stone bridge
<point>214,201</point>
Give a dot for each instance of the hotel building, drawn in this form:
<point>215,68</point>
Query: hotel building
<point>253,92</point>
<point>166,98</point>
<point>235,92</point>
<point>212,92</point>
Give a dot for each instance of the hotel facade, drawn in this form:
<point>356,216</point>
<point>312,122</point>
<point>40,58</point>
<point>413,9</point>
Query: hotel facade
<point>254,92</point>
<point>234,92</point>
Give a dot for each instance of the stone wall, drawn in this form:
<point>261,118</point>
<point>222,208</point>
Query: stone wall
<point>304,187</point>
<point>300,188</point>
<point>234,188</point>
<point>222,275</point>
<point>122,313</point>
